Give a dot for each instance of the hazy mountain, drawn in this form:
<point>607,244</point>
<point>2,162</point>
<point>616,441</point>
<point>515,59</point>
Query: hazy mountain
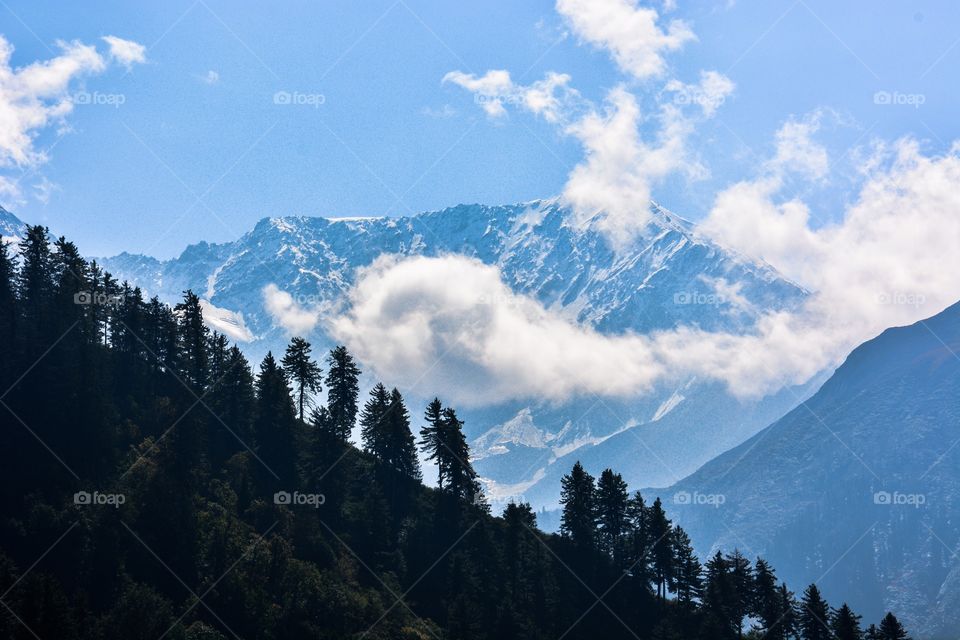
<point>859,487</point>
<point>669,275</point>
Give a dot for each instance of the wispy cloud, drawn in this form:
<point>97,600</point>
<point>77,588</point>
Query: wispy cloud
<point>36,96</point>
<point>126,52</point>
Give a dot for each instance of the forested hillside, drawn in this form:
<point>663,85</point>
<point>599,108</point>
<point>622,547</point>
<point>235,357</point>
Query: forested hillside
<point>155,486</point>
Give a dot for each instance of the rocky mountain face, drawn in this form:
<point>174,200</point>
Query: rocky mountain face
<point>858,488</point>
<point>668,275</point>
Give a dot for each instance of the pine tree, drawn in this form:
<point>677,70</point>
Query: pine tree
<point>431,439</point>
<point>324,448</point>
<point>342,391</point>
<point>302,371</point>
<point>872,633</point>
<point>814,615</point>
<point>742,579</point>
<point>612,514</point>
<point>232,401</point>
<point>401,446</point>
<point>891,629</point>
<point>767,607</point>
<point>193,342</point>
<point>461,477</point>
<point>661,532</point>
<point>845,624</point>
<point>374,422</point>
<point>718,598</point>
<point>70,279</point>
<point>275,423</point>
<point>688,570</point>
<point>789,621</point>
<point>35,292</point>
<point>160,335</point>
<point>640,545</point>
<point>520,551</point>
<point>8,315</point>
<point>578,495</point>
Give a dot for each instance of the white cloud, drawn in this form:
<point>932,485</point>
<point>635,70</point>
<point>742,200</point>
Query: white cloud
<point>34,97</point>
<point>620,168</point>
<point>286,312</point>
<point>629,32</point>
<point>489,89</point>
<point>890,261</point>
<point>43,189</point>
<point>798,152</point>
<point>451,323</point>
<point>495,88</point>
<point>211,77</point>
<point>126,52</point>
<point>709,94</point>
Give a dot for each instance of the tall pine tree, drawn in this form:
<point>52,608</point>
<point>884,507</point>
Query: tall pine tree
<point>814,615</point>
<point>578,495</point>
<point>303,372</point>
<point>342,391</point>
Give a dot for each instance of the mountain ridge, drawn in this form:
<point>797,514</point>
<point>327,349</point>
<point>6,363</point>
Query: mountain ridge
<point>865,469</point>
<point>668,275</point>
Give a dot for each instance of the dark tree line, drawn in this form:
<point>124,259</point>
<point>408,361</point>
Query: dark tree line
<point>712,600</point>
<point>155,486</point>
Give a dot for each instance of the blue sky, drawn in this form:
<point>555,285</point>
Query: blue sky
<point>198,149</point>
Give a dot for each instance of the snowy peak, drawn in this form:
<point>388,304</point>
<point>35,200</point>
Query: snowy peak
<point>668,274</point>
<point>12,229</point>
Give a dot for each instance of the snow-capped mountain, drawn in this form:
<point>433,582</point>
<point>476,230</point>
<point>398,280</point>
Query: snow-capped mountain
<point>12,229</point>
<point>858,489</point>
<point>668,275</point>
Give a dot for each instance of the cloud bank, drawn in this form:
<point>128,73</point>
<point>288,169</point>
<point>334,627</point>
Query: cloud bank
<point>451,324</point>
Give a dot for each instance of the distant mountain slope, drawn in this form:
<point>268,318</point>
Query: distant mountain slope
<point>669,275</point>
<point>859,487</point>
